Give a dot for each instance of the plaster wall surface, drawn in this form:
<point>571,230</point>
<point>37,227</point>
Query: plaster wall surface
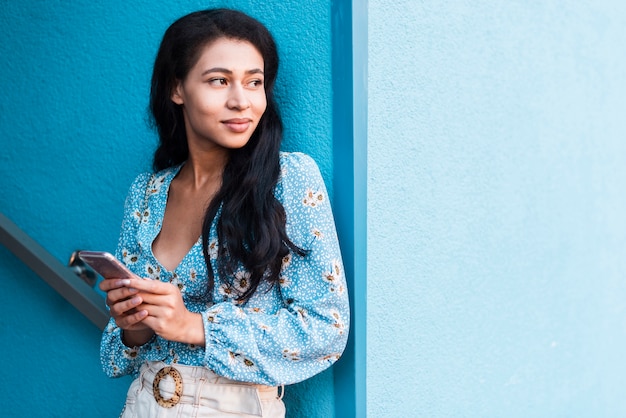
<point>73,132</point>
<point>496,201</point>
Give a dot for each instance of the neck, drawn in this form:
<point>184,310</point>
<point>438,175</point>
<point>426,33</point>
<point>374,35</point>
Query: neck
<point>204,167</point>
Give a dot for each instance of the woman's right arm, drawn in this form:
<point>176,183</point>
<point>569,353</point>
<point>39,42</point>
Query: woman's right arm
<point>122,352</point>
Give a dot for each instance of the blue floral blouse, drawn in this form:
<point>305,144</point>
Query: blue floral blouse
<point>283,334</point>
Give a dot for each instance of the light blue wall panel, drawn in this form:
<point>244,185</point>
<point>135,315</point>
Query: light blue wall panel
<point>496,202</point>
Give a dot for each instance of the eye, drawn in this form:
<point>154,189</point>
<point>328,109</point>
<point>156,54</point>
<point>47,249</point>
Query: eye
<point>255,83</point>
<point>217,81</point>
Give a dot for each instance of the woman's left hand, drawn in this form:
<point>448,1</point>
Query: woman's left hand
<point>167,314</point>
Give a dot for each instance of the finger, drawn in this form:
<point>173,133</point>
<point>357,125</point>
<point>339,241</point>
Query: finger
<point>156,323</point>
<point>157,299</point>
<point>110,284</point>
<point>117,295</point>
<point>151,322</point>
<point>151,286</point>
<point>132,321</point>
<point>123,307</point>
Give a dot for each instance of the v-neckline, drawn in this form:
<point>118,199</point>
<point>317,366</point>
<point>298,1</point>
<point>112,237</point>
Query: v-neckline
<point>158,225</point>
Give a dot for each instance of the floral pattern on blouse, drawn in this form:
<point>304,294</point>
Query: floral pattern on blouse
<point>284,333</point>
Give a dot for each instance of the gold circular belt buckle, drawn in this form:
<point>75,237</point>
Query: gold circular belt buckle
<point>178,387</point>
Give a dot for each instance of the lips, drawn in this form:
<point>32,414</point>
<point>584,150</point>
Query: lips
<point>237,125</point>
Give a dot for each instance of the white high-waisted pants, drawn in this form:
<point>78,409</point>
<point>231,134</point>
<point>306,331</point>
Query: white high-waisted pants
<point>204,394</point>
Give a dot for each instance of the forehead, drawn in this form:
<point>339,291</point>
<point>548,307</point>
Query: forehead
<point>231,54</point>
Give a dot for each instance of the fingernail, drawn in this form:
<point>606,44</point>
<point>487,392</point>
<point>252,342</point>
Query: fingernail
<point>136,300</point>
<point>132,290</point>
<point>123,282</point>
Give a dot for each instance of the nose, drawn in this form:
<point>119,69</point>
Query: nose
<point>238,99</point>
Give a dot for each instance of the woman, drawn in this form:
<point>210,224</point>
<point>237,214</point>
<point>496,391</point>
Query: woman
<point>245,288</point>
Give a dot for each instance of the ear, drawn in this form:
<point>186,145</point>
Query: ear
<point>177,96</point>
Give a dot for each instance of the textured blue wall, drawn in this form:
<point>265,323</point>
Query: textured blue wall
<point>496,211</point>
<point>74,88</point>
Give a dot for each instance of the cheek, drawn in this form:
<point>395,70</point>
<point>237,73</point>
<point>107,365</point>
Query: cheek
<point>206,103</point>
<point>261,105</point>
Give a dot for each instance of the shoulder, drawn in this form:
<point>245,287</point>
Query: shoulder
<point>137,190</point>
<point>152,181</point>
<point>296,159</point>
<point>147,183</point>
<point>297,164</point>
<point>300,180</point>
<point>141,181</point>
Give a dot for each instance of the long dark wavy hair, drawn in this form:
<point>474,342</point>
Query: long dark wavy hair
<point>251,225</point>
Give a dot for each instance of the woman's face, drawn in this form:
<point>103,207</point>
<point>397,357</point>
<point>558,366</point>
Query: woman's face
<point>223,97</point>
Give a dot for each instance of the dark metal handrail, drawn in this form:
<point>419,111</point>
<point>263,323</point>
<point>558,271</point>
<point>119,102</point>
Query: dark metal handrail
<point>61,278</point>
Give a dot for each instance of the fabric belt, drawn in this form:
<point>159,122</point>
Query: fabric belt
<point>173,384</point>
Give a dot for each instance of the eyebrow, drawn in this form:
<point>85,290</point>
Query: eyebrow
<point>227,71</point>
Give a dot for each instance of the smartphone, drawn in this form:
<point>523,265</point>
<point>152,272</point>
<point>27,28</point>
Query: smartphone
<point>106,265</point>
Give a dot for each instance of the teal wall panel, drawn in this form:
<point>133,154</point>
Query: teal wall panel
<point>349,23</point>
<point>73,134</point>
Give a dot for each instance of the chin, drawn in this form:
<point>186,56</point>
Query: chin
<point>236,144</point>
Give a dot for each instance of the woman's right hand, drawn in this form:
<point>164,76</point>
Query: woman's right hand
<point>122,302</point>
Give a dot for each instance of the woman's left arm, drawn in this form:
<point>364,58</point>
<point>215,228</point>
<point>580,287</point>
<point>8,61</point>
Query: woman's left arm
<point>309,332</point>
